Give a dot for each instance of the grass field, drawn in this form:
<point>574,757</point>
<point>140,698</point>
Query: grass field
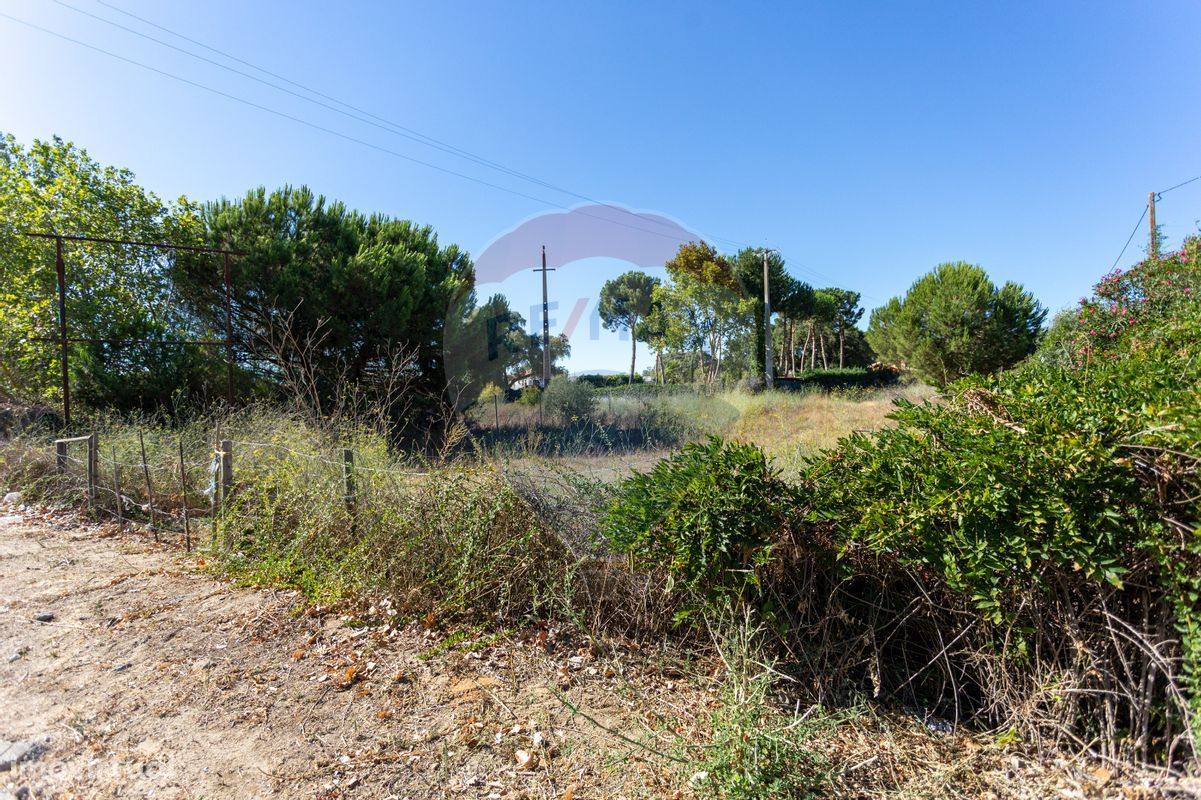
<point>633,432</point>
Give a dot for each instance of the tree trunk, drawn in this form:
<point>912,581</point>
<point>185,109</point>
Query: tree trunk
<point>842,339</point>
<point>633,351</point>
<point>813,348</point>
<point>825,364</point>
<point>792,347</point>
<point>805,346</point>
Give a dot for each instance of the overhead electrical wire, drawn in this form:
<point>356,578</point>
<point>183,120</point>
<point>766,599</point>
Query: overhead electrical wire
<point>387,126</point>
<point>355,113</point>
<point>400,130</point>
<point>1137,225</point>
<point>1143,216</point>
<point>1177,186</point>
<point>337,133</point>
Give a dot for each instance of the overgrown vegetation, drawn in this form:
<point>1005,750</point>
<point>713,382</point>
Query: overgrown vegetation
<point>709,515</point>
<point>1021,554</point>
<point>1025,554</point>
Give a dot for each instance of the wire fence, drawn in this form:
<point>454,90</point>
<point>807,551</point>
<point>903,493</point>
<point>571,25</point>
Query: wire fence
<point>179,493</point>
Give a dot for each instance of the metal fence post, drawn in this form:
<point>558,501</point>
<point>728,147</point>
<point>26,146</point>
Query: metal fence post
<point>227,470</point>
<point>348,477</point>
<point>60,457</point>
<point>117,486</point>
<point>183,495</point>
<point>149,485</point>
<point>92,463</point>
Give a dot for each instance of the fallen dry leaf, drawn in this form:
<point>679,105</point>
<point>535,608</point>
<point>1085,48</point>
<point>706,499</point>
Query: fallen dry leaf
<point>525,759</point>
<point>349,676</point>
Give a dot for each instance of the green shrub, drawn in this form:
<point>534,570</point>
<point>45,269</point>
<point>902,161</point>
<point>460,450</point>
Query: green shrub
<point>830,379</point>
<point>530,396</point>
<point>709,515</point>
<point>1055,508</point>
<point>607,381</point>
<point>571,400</point>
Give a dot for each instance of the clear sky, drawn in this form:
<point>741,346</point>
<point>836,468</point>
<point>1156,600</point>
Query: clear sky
<point>866,141</point>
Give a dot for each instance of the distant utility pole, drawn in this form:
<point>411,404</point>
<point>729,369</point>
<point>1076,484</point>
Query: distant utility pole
<point>545,323</point>
<point>1153,249</point>
<point>769,365</point>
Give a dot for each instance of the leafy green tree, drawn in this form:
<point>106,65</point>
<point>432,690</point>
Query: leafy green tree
<point>954,322</point>
<point>113,291</point>
<point>574,401</point>
<point>703,307</point>
<point>847,313</point>
<point>789,297</point>
<point>346,293</point>
<point>485,344</point>
<point>625,302</point>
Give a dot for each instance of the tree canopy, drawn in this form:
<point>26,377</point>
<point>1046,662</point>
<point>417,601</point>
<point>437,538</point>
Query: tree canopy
<point>625,302</point>
<point>113,291</point>
<point>349,294</point>
<point>954,322</point>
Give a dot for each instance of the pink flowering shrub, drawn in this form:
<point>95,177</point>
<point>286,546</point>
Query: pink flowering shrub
<point>1123,300</point>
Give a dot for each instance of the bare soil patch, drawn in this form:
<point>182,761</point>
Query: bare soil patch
<point>127,670</point>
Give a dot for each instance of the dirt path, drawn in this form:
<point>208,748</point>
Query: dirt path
<point>127,671</point>
<point>152,679</point>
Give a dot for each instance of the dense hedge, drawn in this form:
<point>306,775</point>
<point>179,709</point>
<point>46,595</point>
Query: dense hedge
<point>607,381</point>
<point>1060,501</point>
<point>830,379</point>
<point>1025,553</point>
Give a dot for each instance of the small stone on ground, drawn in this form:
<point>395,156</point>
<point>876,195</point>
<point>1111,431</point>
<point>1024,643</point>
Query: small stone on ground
<point>12,753</point>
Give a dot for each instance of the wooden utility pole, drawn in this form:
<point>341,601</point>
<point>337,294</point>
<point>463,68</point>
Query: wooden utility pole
<point>545,323</point>
<point>1153,248</point>
<point>769,365</point>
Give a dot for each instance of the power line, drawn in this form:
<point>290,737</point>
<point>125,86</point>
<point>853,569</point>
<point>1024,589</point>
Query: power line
<point>362,115</point>
<point>1143,216</point>
<point>388,126</point>
<point>1177,186</point>
<point>1137,225</point>
<point>339,134</point>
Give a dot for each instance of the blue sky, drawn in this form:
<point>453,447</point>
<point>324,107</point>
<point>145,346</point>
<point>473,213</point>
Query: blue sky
<point>866,141</point>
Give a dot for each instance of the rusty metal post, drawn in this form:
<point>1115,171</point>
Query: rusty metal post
<point>227,470</point>
<point>60,457</point>
<point>149,485</point>
<point>348,485</point>
<point>229,333</point>
<point>61,269</point>
<point>117,486</point>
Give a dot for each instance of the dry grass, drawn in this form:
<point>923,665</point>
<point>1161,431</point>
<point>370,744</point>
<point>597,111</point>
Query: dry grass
<point>792,427</point>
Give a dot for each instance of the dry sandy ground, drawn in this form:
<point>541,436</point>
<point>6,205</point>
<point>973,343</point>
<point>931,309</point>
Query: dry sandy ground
<point>128,671</point>
<point>153,679</point>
